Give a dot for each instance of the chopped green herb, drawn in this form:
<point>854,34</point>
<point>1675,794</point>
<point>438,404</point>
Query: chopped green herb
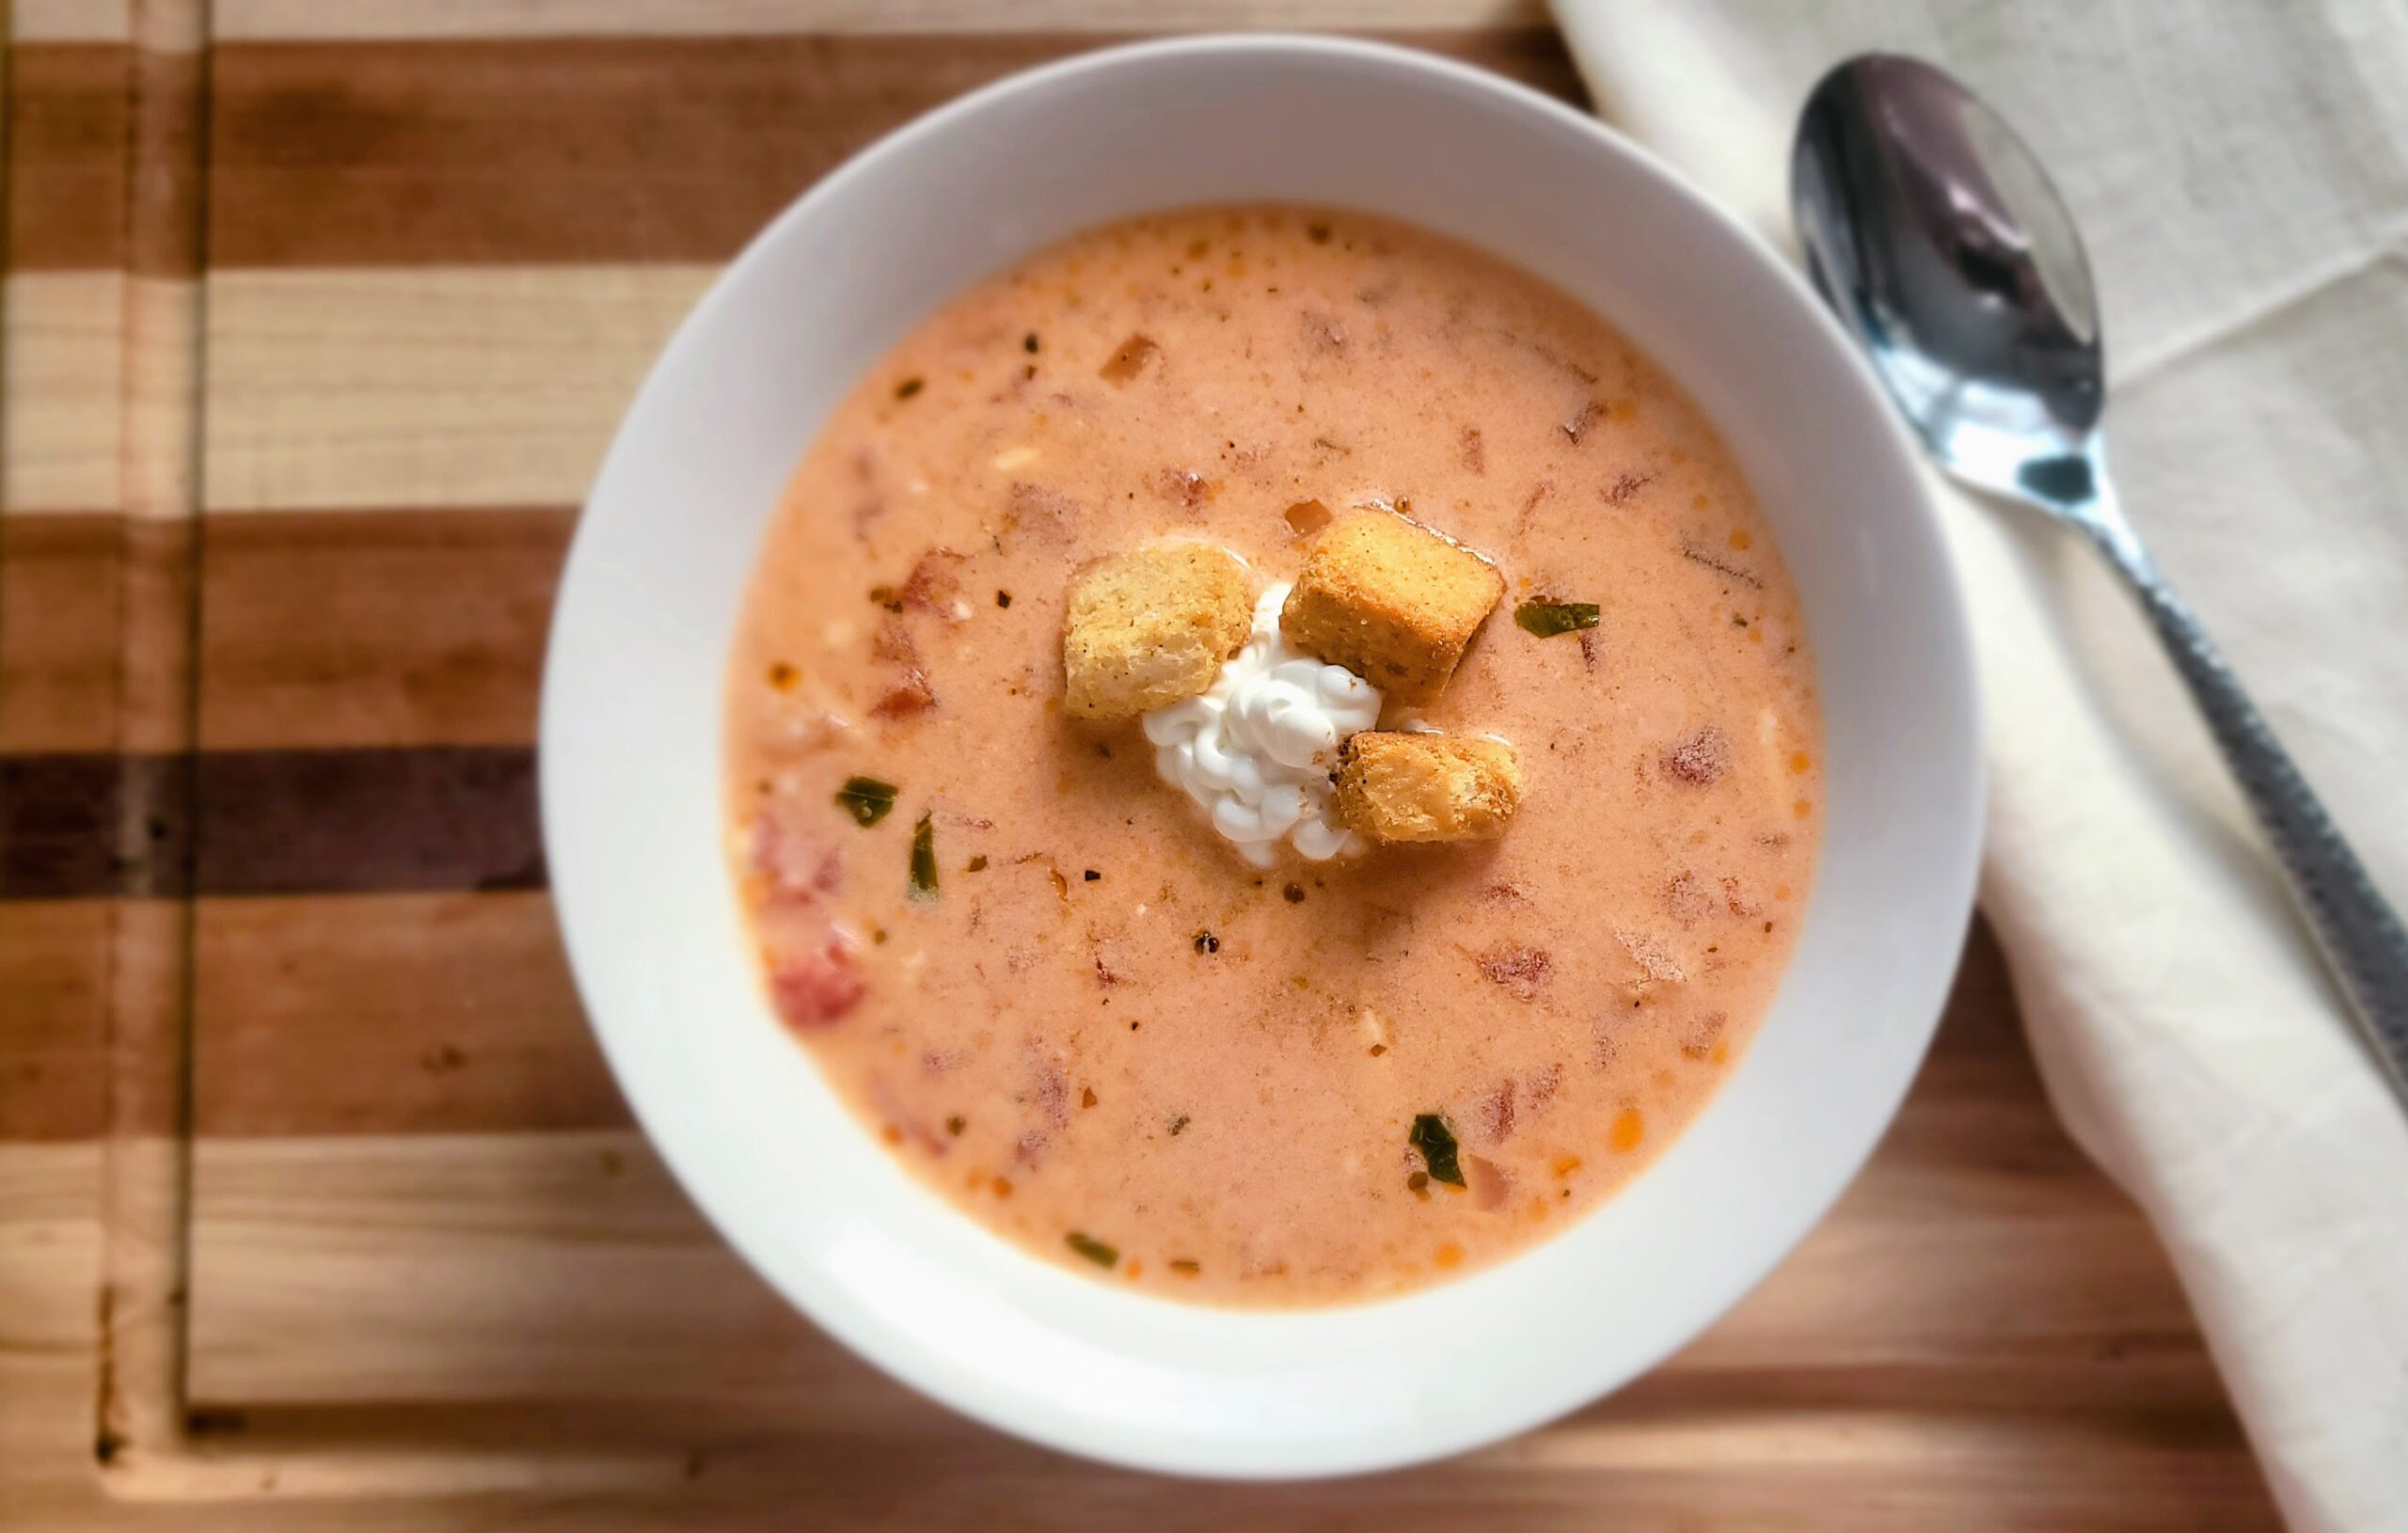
<point>1738,622</point>
<point>1177,1124</point>
<point>885,596</point>
<point>1436,1143</point>
<point>924,858</point>
<point>976,864</point>
<point>1093,1249</point>
<point>909,387</point>
<point>866,800</point>
<point>1549,618</point>
<point>1186,1268</point>
<point>955,1124</point>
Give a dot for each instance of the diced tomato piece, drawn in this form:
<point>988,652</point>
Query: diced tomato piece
<point>909,696</point>
<point>819,988</point>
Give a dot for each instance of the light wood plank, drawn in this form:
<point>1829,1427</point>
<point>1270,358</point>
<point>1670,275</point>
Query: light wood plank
<point>500,1266</point>
<point>1662,1459</point>
<point>64,352</point>
<point>70,21</point>
<point>489,386</point>
<point>50,1252</point>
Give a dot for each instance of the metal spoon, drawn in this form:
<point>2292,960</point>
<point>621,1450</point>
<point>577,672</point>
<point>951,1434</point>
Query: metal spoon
<point>1933,232</point>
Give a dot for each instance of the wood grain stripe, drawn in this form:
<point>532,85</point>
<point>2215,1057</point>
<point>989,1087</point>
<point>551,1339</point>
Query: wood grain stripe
<point>593,149</point>
<point>322,822</point>
<point>146,1165</point>
<point>163,197</point>
<point>67,138</point>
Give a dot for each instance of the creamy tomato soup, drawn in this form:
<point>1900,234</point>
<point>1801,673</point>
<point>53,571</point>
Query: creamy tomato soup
<point>1034,968</point>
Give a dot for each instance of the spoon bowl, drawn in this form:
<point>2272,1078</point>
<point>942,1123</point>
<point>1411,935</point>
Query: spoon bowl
<point>1933,232</point>
<point>1937,237</point>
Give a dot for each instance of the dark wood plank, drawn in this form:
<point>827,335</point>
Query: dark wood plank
<point>376,629</point>
<point>594,149</point>
<point>68,136</point>
<point>234,823</point>
<point>58,629</point>
<point>390,1014</point>
<point>54,971</point>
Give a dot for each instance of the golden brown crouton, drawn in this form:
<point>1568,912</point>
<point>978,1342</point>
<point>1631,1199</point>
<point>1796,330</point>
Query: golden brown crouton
<point>1151,626</point>
<point>1389,600</point>
<point>1427,787</point>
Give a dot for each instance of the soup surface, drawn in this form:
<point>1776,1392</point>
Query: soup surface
<point>1043,977</point>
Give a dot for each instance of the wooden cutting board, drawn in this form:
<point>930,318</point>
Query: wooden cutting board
<point>317,1207</point>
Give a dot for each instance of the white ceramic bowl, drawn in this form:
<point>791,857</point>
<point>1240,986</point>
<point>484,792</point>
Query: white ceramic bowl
<point>632,759</point>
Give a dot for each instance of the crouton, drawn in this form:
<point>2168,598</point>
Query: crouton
<point>1150,628</point>
<point>1389,600</point>
<point>1395,786</point>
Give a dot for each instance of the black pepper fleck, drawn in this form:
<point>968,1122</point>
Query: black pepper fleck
<point>1091,876</point>
<point>1002,598</point>
<point>1206,942</point>
<point>1295,893</point>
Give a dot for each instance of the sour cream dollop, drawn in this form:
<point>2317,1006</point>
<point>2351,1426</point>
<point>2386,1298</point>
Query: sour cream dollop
<point>1255,750</point>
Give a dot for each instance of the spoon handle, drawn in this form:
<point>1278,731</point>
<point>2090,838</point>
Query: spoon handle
<point>2358,931</point>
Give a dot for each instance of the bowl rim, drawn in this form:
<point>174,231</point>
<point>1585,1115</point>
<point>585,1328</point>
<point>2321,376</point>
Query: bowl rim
<point>1959,860</point>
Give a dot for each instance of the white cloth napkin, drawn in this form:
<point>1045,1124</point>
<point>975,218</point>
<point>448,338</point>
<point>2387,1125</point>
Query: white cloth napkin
<point>2240,172</point>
